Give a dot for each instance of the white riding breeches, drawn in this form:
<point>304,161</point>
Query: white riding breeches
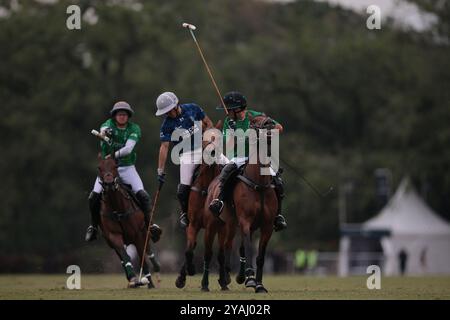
<point>240,161</point>
<point>188,161</point>
<point>128,175</point>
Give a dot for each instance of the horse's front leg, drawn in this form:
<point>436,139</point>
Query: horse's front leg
<point>223,281</point>
<point>240,278</point>
<point>188,267</point>
<point>209,240</point>
<point>266,233</point>
<point>246,243</point>
<point>116,242</point>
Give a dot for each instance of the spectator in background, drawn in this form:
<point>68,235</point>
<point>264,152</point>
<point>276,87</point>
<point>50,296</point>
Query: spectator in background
<point>403,259</point>
<point>300,261</point>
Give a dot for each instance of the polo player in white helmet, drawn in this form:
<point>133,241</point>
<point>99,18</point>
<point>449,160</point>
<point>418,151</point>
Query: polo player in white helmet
<point>180,116</point>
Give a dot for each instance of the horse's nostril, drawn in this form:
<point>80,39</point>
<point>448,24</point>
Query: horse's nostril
<point>108,178</point>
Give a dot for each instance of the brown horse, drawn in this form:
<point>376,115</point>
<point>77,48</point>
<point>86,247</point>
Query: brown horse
<point>197,197</point>
<point>225,228</point>
<point>122,221</point>
<point>253,205</point>
<point>205,173</point>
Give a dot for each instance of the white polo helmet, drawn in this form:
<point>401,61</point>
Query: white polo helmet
<point>166,102</point>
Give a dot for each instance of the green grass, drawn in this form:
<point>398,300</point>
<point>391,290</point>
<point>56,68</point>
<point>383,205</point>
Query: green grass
<point>280,287</point>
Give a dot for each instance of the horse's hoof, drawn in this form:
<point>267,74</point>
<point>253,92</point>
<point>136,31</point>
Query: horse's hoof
<point>150,284</point>
<point>205,289</point>
<point>250,283</point>
<point>180,282</point>
<point>223,283</point>
<point>224,288</point>
<point>190,270</point>
<point>260,289</point>
<point>240,279</point>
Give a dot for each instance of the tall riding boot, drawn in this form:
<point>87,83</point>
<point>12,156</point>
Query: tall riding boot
<point>183,192</point>
<point>94,207</point>
<point>216,205</point>
<point>145,205</point>
<point>280,222</point>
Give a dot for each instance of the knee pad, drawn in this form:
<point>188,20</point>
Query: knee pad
<point>142,194</point>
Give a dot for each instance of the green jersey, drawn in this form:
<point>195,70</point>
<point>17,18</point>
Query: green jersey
<point>119,138</point>
<point>243,124</point>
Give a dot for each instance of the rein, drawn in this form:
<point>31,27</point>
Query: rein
<point>119,215</point>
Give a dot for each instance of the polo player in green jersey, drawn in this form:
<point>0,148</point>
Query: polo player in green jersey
<point>124,135</point>
<point>239,118</point>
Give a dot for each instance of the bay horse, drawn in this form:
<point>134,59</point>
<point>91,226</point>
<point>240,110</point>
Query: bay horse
<point>225,228</point>
<point>122,221</point>
<point>203,176</point>
<point>252,205</point>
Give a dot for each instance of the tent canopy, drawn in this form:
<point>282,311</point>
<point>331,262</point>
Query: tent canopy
<point>407,214</point>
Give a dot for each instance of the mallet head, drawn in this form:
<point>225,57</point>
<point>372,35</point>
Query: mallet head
<point>190,26</point>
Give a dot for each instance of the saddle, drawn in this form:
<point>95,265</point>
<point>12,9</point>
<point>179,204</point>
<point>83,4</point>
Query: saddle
<point>118,216</point>
<point>194,178</point>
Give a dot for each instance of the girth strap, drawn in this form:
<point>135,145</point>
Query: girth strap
<point>119,216</point>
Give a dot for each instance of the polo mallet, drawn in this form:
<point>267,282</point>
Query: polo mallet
<point>100,136</point>
<point>191,28</point>
<point>316,191</point>
<point>143,281</point>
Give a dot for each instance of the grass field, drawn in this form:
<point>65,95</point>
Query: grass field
<point>280,287</point>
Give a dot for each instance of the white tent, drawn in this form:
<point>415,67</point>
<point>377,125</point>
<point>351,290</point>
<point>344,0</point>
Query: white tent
<point>415,229</point>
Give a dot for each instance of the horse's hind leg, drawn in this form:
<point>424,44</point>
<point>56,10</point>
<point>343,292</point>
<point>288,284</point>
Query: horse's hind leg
<point>145,269</point>
<point>188,265</point>
<point>156,266</point>
<point>263,241</point>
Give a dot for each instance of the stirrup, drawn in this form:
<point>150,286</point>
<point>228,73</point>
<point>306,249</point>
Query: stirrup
<point>156,232</point>
<point>279,223</point>
<point>216,207</point>
<point>91,233</point>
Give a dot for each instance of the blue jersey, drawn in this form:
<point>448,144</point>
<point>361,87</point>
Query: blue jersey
<point>190,112</point>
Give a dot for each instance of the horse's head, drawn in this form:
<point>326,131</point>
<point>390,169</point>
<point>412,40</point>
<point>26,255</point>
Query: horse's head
<point>263,124</point>
<point>108,173</point>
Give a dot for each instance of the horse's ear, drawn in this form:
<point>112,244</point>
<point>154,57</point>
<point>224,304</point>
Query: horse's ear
<point>218,125</point>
